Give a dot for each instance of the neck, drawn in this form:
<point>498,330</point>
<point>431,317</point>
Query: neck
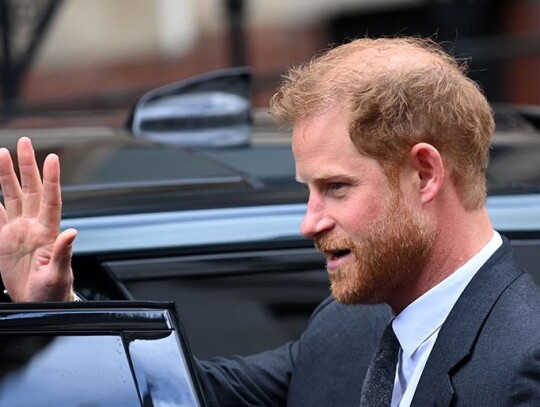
<point>455,244</point>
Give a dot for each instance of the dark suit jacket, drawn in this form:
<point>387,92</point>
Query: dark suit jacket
<point>487,352</point>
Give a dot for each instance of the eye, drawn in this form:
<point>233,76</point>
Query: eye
<point>336,186</point>
<point>336,189</point>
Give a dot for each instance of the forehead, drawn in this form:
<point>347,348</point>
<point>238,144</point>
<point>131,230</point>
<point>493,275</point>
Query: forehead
<point>322,148</point>
<point>327,130</point>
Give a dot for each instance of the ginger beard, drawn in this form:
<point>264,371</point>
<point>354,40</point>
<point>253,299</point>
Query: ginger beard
<point>389,255</point>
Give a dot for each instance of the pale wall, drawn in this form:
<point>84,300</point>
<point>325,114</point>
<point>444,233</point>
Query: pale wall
<point>106,31</point>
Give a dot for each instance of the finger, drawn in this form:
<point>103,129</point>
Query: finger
<point>50,210</point>
<point>61,262</point>
<point>9,183</point>
<point>30,178</point>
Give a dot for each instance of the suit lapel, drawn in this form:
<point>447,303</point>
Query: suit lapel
<point>460,330</point>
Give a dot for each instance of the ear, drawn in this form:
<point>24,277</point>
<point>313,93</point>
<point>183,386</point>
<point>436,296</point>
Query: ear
<point>428,170</point>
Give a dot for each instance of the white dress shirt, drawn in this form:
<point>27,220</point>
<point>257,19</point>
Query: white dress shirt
<point>418,325</point>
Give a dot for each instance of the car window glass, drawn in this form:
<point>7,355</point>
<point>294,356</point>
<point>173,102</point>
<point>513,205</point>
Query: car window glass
<point>52,371</point>
<point>159,380</point>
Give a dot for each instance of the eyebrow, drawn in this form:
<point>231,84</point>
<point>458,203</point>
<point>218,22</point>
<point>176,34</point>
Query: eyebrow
<point>327,177</point>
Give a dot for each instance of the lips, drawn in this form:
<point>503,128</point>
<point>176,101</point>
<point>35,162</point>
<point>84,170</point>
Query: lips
<point>336,249</point>
<point>336,258</point>
<point>336,254</point>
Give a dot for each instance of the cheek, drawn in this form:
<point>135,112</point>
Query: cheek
<point>356,217</point>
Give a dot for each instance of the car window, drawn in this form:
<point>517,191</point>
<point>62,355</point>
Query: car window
<point>161,370</point>
<point>59,366</point>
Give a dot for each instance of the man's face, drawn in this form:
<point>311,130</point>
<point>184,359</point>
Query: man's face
<point>375,244</point>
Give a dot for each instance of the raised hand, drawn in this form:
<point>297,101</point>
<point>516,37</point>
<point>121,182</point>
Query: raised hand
<point>35,258</point>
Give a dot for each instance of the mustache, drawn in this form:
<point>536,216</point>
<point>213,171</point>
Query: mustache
<point>325,243</point>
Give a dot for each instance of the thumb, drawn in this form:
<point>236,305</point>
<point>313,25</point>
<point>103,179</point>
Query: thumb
<point>62,253</point>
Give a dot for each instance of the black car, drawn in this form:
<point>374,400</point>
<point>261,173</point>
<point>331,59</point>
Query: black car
<point>200,207</point>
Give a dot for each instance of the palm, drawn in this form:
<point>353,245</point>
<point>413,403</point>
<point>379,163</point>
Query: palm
<point>26,252</point>
<point>34,257</point>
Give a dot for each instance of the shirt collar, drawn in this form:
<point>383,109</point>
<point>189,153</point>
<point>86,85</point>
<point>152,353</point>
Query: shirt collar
<point>423,317</point>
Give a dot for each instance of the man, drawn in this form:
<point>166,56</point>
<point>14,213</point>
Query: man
<point>391,139</point>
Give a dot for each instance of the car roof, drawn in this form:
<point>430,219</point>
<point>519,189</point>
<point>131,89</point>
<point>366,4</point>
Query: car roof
<point>106,171</point>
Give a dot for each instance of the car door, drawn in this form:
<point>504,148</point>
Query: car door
<point>95,354</point>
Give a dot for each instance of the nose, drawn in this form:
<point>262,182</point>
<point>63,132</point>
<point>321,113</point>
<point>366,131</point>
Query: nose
<point>316,220</point>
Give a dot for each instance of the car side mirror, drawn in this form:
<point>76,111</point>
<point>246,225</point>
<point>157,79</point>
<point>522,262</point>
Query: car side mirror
<point>209,110</point>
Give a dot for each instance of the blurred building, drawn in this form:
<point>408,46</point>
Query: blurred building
<point>104,53</point>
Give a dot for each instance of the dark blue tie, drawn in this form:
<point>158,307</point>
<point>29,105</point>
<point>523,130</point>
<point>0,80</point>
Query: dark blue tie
<point>379,381</point>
